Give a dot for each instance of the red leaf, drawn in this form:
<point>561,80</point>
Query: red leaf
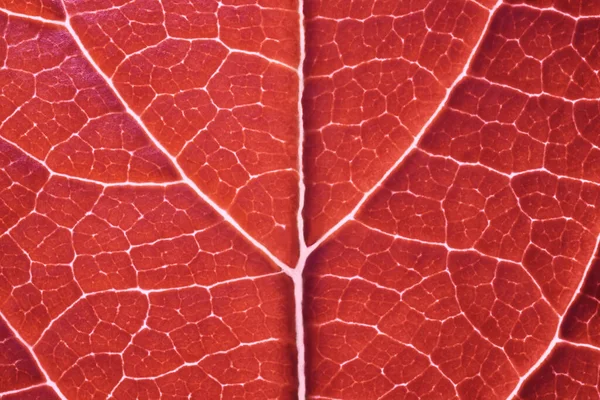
<point>282,199</point>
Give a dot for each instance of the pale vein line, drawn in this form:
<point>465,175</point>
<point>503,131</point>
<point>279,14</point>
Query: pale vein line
<point>417,138</point>
<point>580,345</point>
<point>185,178</point>
<point>297,272</point>
<point>33,17</point>
<point>22,390</point>
<point>48,382</point>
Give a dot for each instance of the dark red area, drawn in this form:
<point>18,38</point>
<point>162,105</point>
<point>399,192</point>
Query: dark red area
<point>582,323</point>
<point>568,373</point>
<point>17,369</point>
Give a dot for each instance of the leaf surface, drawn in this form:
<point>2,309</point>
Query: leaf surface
<point>272,199</point>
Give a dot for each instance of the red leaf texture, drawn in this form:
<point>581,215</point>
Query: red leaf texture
<point>282,199</point>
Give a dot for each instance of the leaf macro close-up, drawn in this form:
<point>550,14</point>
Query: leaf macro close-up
<point>300,199</point>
